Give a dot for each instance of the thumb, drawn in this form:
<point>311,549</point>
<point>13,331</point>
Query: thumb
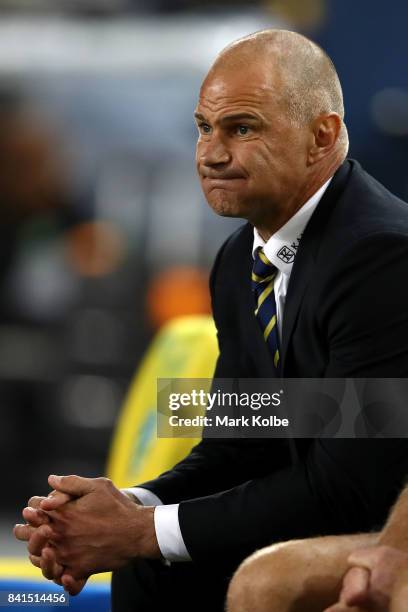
<point>355,586</point>
<point>72,485</point>
<point>55,500</point>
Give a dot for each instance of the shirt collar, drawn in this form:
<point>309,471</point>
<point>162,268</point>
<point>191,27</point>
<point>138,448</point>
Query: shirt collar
<point>282,246</point>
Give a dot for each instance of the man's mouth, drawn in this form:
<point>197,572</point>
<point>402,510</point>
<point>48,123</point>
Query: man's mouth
<point>225,176</point>
<point>221,182</point>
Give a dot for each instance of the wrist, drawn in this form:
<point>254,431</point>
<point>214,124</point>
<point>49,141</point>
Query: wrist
<point>143,541</point>
<point>131,496</point>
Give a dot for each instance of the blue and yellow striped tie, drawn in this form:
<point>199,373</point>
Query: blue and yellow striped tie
<point>263,279</point>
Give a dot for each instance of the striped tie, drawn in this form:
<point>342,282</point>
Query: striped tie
<point>263,279</point>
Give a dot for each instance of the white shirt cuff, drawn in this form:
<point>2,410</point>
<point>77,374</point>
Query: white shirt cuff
<point>146,497</point>
<point>168,533</point>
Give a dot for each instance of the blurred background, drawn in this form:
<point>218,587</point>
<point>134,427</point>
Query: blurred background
<point>104,234</point>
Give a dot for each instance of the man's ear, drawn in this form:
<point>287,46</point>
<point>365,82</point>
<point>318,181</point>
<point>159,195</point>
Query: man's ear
<point>325,134</point>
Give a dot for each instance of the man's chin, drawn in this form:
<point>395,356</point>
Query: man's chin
<point>227,208</point>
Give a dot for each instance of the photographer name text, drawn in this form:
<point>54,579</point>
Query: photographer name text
<point>225,421</point>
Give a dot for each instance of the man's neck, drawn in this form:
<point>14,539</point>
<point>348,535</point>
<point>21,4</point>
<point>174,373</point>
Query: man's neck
<point>269,226</point>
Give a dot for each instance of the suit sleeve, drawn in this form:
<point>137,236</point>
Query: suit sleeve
<point>342,485</point>
<point>366,316</point>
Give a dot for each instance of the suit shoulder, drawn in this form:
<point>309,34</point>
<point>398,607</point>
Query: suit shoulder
<point>231,257</point>
<point>368,230</point>
<point>239,240</point>
<point>371,208</point>
<point>236,246</point>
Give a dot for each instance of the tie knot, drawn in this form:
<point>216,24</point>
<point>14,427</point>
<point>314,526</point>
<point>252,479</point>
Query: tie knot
<point>263,270</point>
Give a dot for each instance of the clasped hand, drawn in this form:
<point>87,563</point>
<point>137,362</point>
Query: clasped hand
<point>85,526</point>
<point>370,581</point>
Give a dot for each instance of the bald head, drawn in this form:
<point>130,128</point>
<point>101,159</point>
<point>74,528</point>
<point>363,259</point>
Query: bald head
<point>271,131</point>
<point>308,84</point>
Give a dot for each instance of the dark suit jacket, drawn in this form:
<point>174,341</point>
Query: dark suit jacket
<point>346,315</point>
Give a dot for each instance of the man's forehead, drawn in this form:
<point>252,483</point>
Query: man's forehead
<point>232,87</point>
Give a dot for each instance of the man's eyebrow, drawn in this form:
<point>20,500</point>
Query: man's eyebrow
<point>231,117</point>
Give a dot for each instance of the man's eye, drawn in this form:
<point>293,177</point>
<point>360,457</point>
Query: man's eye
<point>204,128</point>
<point>242,130</point>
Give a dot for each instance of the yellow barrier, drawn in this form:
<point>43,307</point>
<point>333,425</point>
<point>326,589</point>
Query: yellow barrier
<point>185,348</point>
<point>15,568</point>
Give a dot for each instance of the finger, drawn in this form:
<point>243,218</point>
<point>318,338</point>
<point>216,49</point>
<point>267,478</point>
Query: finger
<point>73,485</point>
<point>34,502</point>
<point>23,532</point>
<point>55,500</point>
<point>355,589</point>
<point>72,585</point>
<point>35,517</point>
<point>339,607</point>
<point>35,560</point>
<point>49,566</point>
<point>39,539</point>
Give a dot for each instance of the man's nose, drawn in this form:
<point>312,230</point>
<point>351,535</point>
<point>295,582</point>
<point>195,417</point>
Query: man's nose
<point>213,152</point>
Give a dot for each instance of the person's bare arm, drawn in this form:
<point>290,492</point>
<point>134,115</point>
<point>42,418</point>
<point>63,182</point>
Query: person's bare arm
<point>375,570</point>
<point>395,532</point>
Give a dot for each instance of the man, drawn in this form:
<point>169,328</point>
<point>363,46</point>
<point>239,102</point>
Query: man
<point>327,256</point>
<point>306,575</point>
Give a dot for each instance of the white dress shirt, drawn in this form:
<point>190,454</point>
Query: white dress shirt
<point>281,250</point>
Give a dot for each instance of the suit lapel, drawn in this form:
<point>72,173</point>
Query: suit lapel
<point>304,265</point>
